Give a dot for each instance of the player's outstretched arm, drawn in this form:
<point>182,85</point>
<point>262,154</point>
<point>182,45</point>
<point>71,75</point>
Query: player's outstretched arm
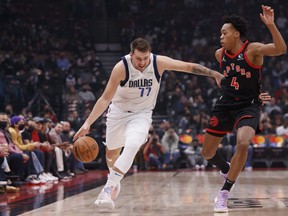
<point>167,63</point>
<point>278,47</point>
<point>117,74</point>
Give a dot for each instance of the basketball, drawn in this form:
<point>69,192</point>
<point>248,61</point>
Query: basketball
<point>85,149</point>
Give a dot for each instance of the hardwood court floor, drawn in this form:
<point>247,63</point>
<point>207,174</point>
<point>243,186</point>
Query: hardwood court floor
<point>257,193</point>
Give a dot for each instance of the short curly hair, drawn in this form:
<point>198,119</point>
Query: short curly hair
<point>239,23</point>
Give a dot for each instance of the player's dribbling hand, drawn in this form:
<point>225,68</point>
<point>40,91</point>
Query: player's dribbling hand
<point>219,78</point>
<point>265,97</point>
<point>82,131</point>
<point>268,15</point>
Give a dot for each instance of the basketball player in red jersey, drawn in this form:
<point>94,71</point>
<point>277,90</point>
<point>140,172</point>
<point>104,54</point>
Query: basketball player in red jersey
<point>238,107</point>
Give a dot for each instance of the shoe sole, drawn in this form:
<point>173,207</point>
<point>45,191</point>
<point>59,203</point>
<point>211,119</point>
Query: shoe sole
<point>220,210</point>
<point>105,204</point>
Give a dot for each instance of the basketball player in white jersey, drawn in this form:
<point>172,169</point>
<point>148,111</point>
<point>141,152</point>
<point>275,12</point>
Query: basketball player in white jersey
<point>131,95</point>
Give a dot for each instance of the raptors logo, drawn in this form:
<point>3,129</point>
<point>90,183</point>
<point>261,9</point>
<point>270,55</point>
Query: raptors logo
<point>214,121</point>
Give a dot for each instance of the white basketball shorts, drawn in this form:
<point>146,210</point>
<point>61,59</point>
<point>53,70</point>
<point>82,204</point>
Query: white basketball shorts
<point>122,124</point>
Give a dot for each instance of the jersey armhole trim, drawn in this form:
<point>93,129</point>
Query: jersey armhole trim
<point>123,82</point>
<point>155,68</point>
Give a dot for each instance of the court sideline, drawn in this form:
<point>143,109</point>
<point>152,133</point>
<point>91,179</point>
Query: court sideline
<point>263,192</point>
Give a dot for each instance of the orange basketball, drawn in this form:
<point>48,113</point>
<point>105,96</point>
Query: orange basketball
<point>85,149</point>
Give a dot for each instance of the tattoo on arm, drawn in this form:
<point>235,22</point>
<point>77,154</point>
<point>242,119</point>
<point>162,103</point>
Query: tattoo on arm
<point>201,70</point>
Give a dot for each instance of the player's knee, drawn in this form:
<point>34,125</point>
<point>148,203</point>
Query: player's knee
<point>134,143</point>
<point>242,145</point>
<point>133,149</point>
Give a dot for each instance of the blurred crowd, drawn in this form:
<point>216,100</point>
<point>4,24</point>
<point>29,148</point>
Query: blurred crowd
<point>49,69</point>
<point>36,151</point>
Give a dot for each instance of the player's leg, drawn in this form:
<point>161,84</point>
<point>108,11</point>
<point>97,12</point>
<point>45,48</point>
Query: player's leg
<point>115,140</point>
<point>120,168</point>
<point>111,157</point>
<point>245,135</point>
<point>135,135</point>
<point>212,155</point>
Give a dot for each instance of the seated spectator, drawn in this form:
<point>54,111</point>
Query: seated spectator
<point>61,148</point>
<point>154,152</point>
<point>31,148</point>
<point>266,126</point>
<point>17,125</point>
<point>63,62</point>
<point>170,141</point>
<point>283,129</point>
<point>17,159</point>
<point>3,154</point>
<point>44,154</point>
<point>193,152</point>
<point>75,166</point>
<point>85,94</point>
<point>4,170</point>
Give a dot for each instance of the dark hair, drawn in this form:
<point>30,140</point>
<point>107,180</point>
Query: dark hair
<point>140,44</point>
<point>239,23</point>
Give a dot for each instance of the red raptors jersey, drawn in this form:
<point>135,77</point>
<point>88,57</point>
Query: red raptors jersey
<point>242,79</point>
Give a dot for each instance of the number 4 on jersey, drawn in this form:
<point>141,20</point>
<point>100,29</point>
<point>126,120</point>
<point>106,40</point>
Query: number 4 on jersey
<point>234,83</point>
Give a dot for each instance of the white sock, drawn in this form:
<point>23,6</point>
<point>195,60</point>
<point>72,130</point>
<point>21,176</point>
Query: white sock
<point>114,178</point>
<point>110,169</point>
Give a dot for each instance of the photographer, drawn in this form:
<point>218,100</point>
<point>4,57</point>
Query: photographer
<point>154,152</point>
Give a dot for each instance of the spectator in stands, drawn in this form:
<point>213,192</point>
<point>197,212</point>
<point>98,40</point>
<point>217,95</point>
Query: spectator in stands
<point>272,108</point>
<point>32,134</point>
<point>75,166</point>
<point>33,166</point>
<point>283,129</point>
<point>163,126</point>
<point>3,154</point>
<point>15,129</point>
<point>170,141</point>
<point>3,171</point>
<point>154,152</point>
<point>266,126</point>
<point>63,62</point>
<point>85,94</point>
<point>61,150</point>
<point>193,152</point>
<point>17,159</point>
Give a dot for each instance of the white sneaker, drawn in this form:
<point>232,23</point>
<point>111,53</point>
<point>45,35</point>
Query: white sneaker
<point>32,179</point>
<point>221,202</point>
<point>115,191</point>
<point>53,178</point>
<point>104,199</point>
<point>43,178</point>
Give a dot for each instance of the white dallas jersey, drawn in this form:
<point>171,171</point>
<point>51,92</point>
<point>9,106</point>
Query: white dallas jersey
<point>138,92</point>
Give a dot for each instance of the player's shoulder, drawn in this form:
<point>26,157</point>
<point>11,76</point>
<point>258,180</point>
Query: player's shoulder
<point>119,65</point>
<point>119,70</point>
<point>218,53</point>
<point>254,45</point>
